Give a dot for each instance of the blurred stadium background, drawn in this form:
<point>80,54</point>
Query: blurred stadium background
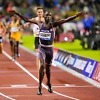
<point>89,37</point>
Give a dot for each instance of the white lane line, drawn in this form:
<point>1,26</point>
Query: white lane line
<point>25,70</point>
<point>6,96</point>
<point>75,86</point>
<point>21,86</point>
<point>18,87</point>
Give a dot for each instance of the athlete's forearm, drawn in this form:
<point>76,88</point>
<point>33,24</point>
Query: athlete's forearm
<point>25,19</point>
<point>21,16</point>
<point>67,19</point>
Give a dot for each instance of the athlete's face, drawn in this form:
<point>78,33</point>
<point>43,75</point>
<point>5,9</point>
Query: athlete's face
<point>48,17</point>
<point>13,18</point>
<point>40,12</point>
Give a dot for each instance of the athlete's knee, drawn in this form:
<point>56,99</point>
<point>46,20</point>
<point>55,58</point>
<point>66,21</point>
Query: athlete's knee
<point>42,63</point>
<point>41,70</point>
<point>47,66</point>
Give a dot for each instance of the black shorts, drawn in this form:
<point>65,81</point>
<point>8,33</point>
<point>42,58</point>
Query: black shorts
<point>36,42</point>
<point>46,54</point>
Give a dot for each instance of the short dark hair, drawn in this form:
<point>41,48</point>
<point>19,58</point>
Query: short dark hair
<point>48,13</point>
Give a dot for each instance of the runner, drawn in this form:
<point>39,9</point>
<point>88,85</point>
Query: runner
<point>46,38</point>
<point>14,35</point>
<point>35,29</point>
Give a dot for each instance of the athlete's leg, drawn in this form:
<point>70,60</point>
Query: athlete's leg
<point>17,49</point>
<point>41,76</point>
<point>37,60</point>
<point>14,48</point>
<point>36,43</point>
<point>11,45</point>
<point>0,47</point>
<point>41,71</point>
<point>49,56</point>
<point>48,74</point>
<point>1,44</point>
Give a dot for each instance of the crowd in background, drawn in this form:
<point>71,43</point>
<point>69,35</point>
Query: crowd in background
<point>61,8</point>
<point>64,7</point>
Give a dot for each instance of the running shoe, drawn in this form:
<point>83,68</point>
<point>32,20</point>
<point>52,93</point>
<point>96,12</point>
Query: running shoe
<point>39,92</point>
<point>18,55</point>
<point>50,88</point>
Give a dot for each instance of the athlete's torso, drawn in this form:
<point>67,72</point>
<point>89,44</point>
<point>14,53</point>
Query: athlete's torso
<point>46,36</point>
<point>14,26</point>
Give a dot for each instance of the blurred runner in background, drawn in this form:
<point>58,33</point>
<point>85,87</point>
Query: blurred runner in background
<point>2,33</point>
<point>14,35</point>
<point>36,29</point>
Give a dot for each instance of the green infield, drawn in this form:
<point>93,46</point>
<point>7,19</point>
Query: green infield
<point>73,47</point>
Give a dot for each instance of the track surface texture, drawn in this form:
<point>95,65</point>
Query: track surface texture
<point>19,81</point>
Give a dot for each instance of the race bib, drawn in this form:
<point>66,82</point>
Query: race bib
<point>45,36</point>
<point>13,29</point>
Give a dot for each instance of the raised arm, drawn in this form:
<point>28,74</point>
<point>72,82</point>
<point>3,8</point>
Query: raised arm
<point>23,17</point>
<point>27,24</point>
<point>57,23</point>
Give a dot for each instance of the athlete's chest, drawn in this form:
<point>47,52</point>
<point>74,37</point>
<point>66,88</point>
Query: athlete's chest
<point>45,32</point>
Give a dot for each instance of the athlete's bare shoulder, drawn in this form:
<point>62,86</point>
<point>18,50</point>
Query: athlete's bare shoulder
<point>40,19</point>
<point>37,18</point>
<point>32,19</point>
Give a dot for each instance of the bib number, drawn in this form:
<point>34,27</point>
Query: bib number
<point>45,36</point>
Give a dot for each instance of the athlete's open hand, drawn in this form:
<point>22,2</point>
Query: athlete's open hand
<point>80,14</point>
<point>12,11</point>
